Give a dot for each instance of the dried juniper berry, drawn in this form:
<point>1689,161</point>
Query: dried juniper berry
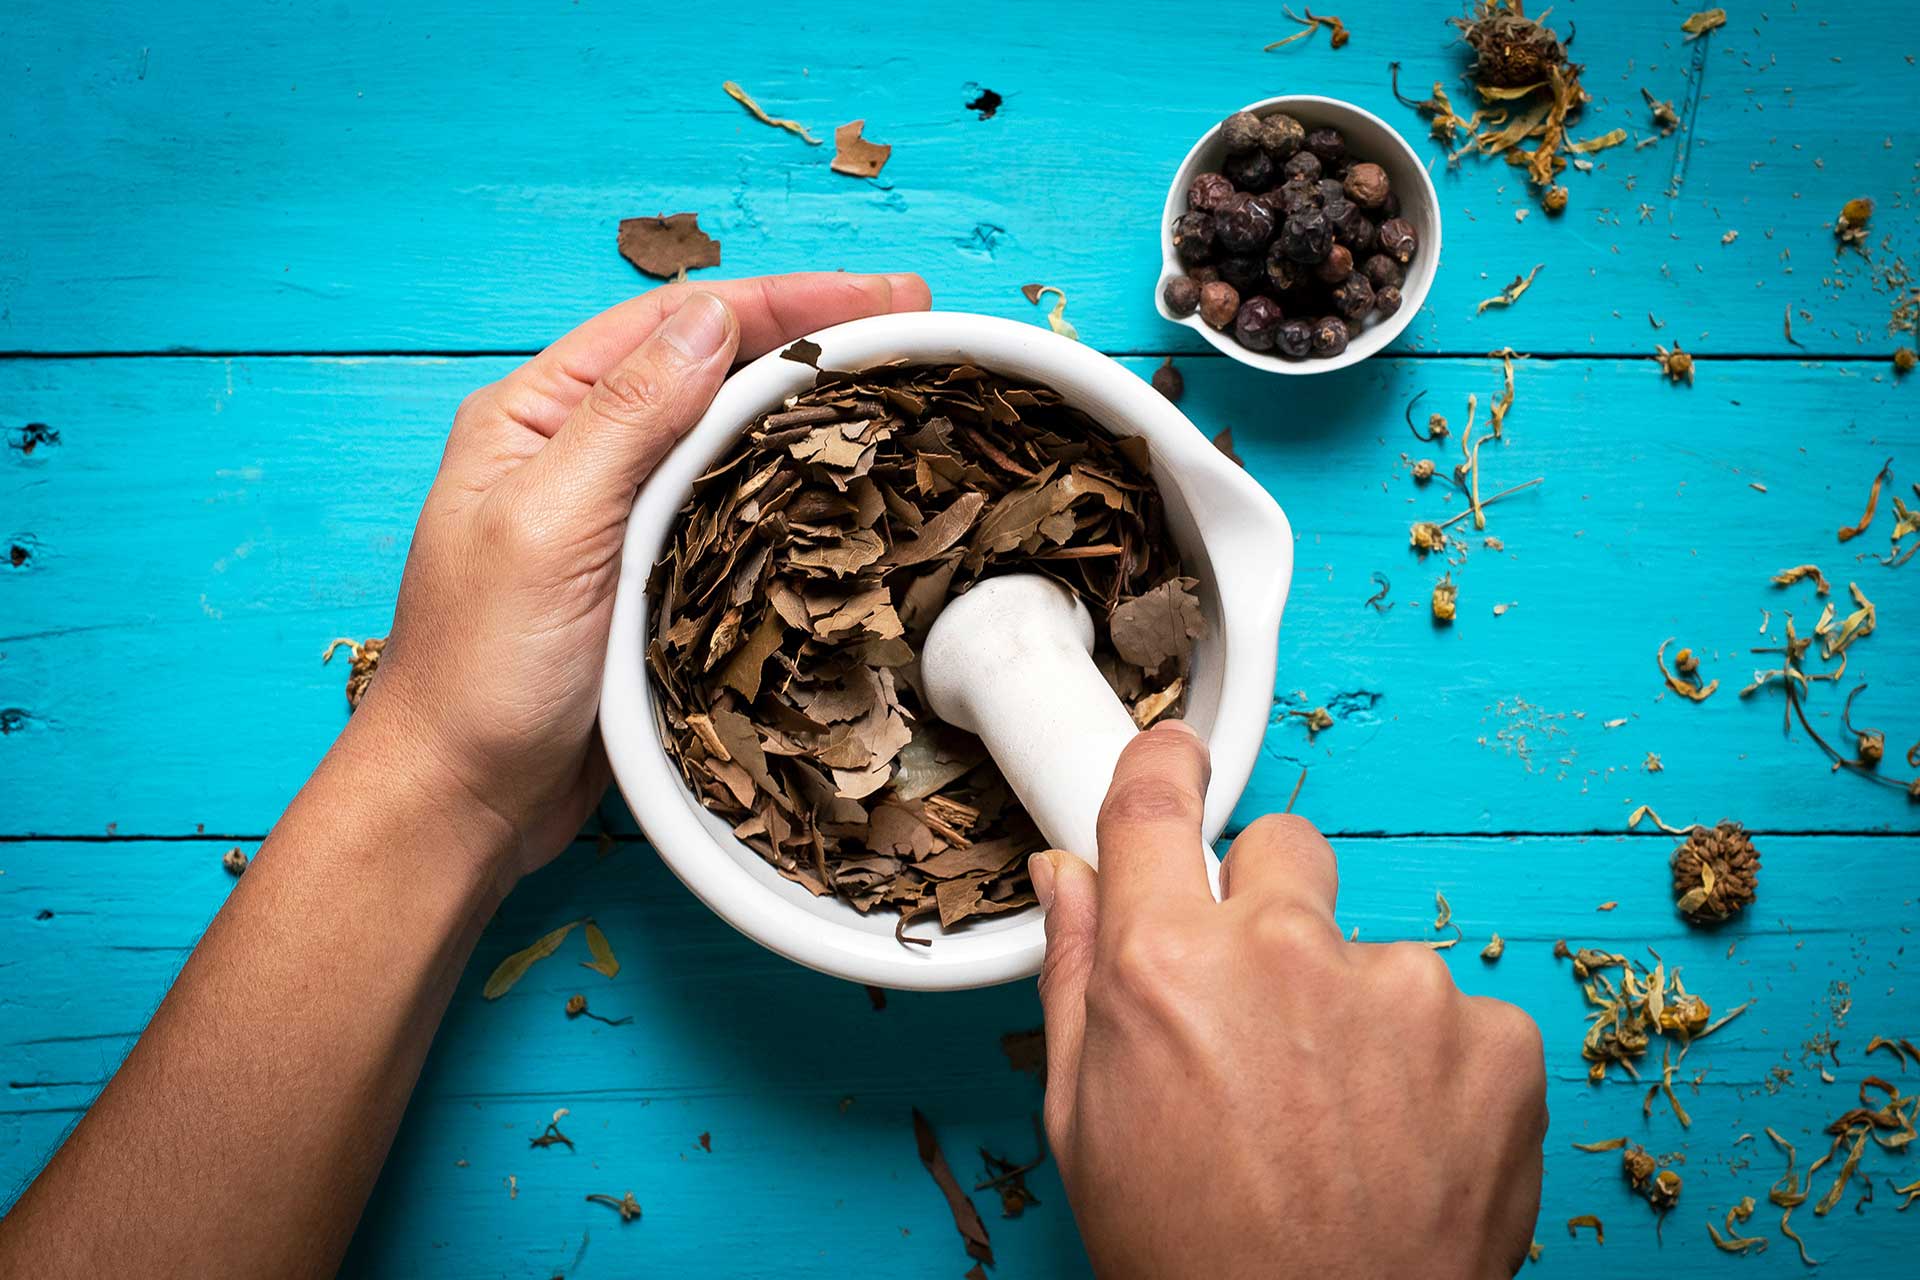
<point>1209,192</point>
<point>1330,189</point>
<point>1329,145</point>
<point>1258,323</point>
<point>1193,237</point>
<point>1240,131</point>
<point>1204,275</point>
<point>1284,275</point>
<point>1244,226</point>
<point>1182,295</point>
<point>1390,208</point>
<point>1366,185</point>
<point>1329,336</point>
<point>1251,170</point>
<point>1246,272</point>
<point>1295,194</point>
<point>1302,164</point>
<point>1219,303</point>
<point>1386,299</point>
<point>1353,296</point>
<point>1350,226</point>
<point>1336,266</point>
<point>1382,271</point>
<point>1281,135</point>
<point>1399,240</point>
<point>1307,236</point>
<point>1295,339</point>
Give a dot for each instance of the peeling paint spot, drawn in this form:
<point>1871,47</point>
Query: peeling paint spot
<point>15,720</point>
<point>983,241</point>
<point>44,914</point>
<point>982,100</point>
<point>18,555</point>
<point>31,436</point>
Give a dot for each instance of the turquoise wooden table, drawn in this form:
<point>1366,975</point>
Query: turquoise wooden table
<point>252,255</point>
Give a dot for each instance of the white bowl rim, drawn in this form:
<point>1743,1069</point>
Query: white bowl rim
<point>1254,587</point>
<point>1370,340</point>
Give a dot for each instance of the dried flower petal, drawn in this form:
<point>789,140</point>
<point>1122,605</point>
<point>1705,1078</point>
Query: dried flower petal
<point>1701,23</point>
<point>741,96</point>
<point>1511,294</point>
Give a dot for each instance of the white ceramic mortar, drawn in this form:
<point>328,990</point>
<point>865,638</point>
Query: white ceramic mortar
<point>1369,138</point>
<point>1232,536</point>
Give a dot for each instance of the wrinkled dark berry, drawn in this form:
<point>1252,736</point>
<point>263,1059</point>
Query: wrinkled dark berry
<point>1391,208</point>
<point>1329,146</point>
<point>1209,192</point>
<point>1295,194</point>
<point>1353,297</point>
<point>1258,323</point>
<point>1399,240</point>
<point>1245,272</point>
<point>1182,295</point>
<point>1204,275</point>
<point>1302,164</point>
<point>1281,135</point>
<point>1350,226</point>
<point>1366,185</point>
<point>1336,266</point>
<point>1307,236</point>
<point>1240,131</point>
<point>1295,339</point>
<point>1329,336</point>
<point>1382,271</point>
<point>1193,237</point>
<point>1386,299</point>
<point>1284,275</point>
<point>1244,226</point>
<point>1219,303</point>
<point>1251,170</point>
<point>1330,189</point>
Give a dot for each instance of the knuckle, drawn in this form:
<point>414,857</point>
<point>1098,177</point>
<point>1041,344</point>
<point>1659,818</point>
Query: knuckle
<point>1289,934</point>
<point>1150,799</point>
<point>1279,829</point>
<point>1140,961</point>
<point>508,530</point>
<point>1515,1034</point>
<point>475,403</point>
<point>629,392</point>
<point>1418,973</point>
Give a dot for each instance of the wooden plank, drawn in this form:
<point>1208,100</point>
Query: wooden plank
<point>204,527</point>
<point>734,1042</point>
<point>439,176</point>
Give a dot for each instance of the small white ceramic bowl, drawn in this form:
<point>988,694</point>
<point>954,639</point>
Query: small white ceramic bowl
<point>1369,138</point>
<point>1231,535</point>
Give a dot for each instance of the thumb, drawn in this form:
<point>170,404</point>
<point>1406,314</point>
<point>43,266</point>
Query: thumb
<point>630,418</point>
<point>1068,891</point>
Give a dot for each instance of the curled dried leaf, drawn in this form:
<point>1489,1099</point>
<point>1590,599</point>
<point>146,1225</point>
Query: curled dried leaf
<point>1704,21</point>
<point>745,99</point>
<point>668,247</point>
<point>1678,682</point>
<point>1587,1220</point>
<point>1787,577</point>
<point>364,663</point>
<point>1511,294</point>
<point>515,966</point>
<point>1850,532</point>
<point>603,961</point>
<point>1056,318</point>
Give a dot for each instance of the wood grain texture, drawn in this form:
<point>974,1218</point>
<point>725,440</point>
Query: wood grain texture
<point>204,527</point>
<point>244,176</point>
<point>731,1041</point>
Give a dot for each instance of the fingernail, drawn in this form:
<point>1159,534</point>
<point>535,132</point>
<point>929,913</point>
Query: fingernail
<point>902,282</point>
<point>1179,726</point>
<point>1040,870</point>
<point>698,328</point>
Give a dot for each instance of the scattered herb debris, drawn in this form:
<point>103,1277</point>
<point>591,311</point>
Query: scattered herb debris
<point>577,1008</point>
<point>1733,1241</point>
<point>1850,532</point>
<point>1587,1220</point>
<point>1787,577</point>
<point>1494,949</point>
<point>1851,226</point>
<point>984,102</point>
<point>1380,581</point>
<point>1676,364</point>
<point>854,156</point>
<point>668,247</point>
<point>626,1206</point>
<point>1224,441</point>
<point>807,566</point>
<point>1168,381</point>
<point>1904,360</point>
<point>1337,32</point>
<point>1010,1179</point>
<point>515,966</point>
<point>235,861</point>
<point>364,662</point>
<point>966,1218</point>
<point>1701,23</point>
<point>1630,1013</point>
<point>1665,118</point>
<point>1027,1051</point>
<point>1446,598</point>
<point>553,1137</point>
<point>745,99</point>
<point>1056,318</point>
<point>603,961</point>
<point>877,997</point>
<point>1686,665</point>
<point>1511,294</point>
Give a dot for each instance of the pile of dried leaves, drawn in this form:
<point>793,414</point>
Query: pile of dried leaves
<point>804,572</point>
<point>1531,92</point>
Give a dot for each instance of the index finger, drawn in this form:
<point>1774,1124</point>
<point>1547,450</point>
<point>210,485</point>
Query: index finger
<point>1149,828</point>
<point>771,310</point>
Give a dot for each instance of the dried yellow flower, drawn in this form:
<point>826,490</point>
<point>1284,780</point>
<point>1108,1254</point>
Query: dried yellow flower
<point>1445,599</point>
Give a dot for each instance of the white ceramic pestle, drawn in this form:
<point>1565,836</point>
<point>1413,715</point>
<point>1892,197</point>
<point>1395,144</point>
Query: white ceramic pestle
<point>1232,538</point>
<point>1012,661</point>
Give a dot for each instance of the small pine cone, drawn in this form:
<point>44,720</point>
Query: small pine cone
<point>1715,873</point>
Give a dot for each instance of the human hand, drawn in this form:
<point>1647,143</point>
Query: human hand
<point>490,680</point>
<point>1235,1090</point>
